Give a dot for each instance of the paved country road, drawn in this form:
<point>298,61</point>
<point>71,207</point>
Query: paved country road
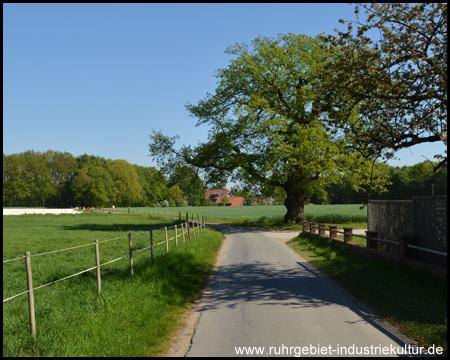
<point>266,295</point>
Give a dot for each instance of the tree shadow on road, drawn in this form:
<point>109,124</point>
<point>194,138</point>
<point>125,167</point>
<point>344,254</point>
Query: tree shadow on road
<point>279,284</point>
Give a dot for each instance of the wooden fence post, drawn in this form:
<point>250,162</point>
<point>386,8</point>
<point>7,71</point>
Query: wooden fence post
<point>370,242</point>
<point>30,294</point>
<point>151,245</point>
<point>176,235</point>
<point>333,231</point>
<point>182,232</point>
<point>321,229</point>
<point>348,234</point>
<point>97,263</point>
<point>403,242</point>
<point>188,231</point>
<point>167,240</point>
<point>131,253</point>
<point>305,226</point>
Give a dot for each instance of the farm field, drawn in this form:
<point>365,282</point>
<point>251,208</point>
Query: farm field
<point>71,318</point>
<point>337,214</point>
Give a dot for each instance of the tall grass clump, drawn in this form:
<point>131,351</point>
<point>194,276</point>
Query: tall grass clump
<point>133,316</point>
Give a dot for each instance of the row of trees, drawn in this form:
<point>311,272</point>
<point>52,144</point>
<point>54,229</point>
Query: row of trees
<point>57,179</point>
<point>403,184</point>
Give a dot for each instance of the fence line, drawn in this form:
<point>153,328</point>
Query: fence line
<point>96,242</point>
<point>75,247</point>
<point>55,251</point>
<point>120,237</point>
<point>71,248</point>
<point>371,240</point>
<point>80,246</point>
<point>17,258</point>
<point>12,297</point>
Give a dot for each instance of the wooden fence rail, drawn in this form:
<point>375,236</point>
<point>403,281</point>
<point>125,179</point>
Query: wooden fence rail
<point>371,248</point>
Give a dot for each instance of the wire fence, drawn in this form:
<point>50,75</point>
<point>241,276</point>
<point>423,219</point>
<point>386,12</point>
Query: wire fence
<point>422,221</point>
<point>183,231</point>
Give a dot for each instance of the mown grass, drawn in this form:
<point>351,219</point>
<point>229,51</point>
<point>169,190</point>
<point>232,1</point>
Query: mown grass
<point>133,316</point>
<point>414,301</point>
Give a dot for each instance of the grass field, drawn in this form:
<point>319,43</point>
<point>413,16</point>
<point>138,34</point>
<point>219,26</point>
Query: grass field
<point>133,316</point>
<point>271,215</point>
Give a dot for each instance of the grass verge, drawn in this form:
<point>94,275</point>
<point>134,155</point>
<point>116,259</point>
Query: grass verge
<point>133,316</point>
<point>414,301</point>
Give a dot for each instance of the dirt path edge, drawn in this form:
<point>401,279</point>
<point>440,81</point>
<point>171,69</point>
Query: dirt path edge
<point>182,339</point>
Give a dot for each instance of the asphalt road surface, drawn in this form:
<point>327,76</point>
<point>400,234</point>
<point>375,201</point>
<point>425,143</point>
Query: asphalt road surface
<point>267,298</point>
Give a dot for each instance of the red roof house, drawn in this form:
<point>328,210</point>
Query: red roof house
<point>236,201</point>
<point>218,195</point>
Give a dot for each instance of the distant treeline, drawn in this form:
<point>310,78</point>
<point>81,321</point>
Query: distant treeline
<point>56,179</point>
<point>405,183</point>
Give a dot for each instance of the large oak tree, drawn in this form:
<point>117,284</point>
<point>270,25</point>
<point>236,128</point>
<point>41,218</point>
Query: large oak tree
<point>267,123</point>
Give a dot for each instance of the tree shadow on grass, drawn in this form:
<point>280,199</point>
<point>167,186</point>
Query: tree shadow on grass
<point>121,227</point>
<point>179,275</point>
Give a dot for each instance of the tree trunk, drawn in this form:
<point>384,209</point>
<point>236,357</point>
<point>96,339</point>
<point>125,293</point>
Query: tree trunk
<point>295,205</point>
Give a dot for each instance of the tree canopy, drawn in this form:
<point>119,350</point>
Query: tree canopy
<point>267,123</point>
<point>386,83</point>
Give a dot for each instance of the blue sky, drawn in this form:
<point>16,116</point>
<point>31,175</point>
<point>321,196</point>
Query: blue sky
<point>97,78</point>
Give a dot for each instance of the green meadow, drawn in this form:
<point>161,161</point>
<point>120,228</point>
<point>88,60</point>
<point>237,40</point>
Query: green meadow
<point>135,315</point>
